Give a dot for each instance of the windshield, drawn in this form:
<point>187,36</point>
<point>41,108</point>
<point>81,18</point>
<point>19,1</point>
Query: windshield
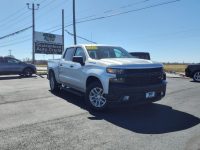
<point>101,52</point>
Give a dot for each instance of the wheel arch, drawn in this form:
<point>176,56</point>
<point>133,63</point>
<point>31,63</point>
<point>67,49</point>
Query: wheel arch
<point>92,79</point>
<point>193,72</point>
<point>28,68</point>
<point>50,71</point>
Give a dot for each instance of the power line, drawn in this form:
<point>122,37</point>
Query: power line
<point>57,29</point>
<point>126,12</point>
<point>116,9</point>
<point>54,27</point>
<point>43,1</point>
<point>49,3</point>
<point>50,10</point>
<point>80,37</point>
<point>17,22</point>
<point>97,18</point>
<point>13,14</point>
<point>126,6</point>
<point>16,19</point>
<point>16,38</point>
<point>117,14</point>
<point>17,32</point>
<point>16,43</point>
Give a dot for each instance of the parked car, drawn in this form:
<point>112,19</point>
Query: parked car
<point>12,66</point>
<point>141,55</point>
<point>193,71</point>
<point>106,75</point>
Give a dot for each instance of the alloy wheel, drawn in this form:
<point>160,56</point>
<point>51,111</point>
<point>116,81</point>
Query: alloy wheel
<point>97,97</point>
<point>197,76</point>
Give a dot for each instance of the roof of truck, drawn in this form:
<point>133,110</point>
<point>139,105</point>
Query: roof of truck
<point>94,45</point>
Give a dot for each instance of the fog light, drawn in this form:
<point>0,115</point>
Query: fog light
<point>126,98</point>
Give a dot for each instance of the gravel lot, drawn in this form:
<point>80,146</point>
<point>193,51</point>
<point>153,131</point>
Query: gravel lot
<point>31,117</point>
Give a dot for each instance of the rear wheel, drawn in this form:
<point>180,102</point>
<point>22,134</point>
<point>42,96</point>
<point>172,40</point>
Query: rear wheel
<point>196,76</point>
<point>54,86</point>
<point>28,72</point>
<point>95,96</point>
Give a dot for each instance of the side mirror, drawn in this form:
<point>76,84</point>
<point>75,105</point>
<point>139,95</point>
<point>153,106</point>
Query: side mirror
<point>78,59</point>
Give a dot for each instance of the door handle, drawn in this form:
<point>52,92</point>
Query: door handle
<point>61,65</point>
<point>71,66</point>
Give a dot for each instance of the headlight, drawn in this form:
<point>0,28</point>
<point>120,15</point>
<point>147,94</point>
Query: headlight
<point>164,76</point>
<point>114,71</point>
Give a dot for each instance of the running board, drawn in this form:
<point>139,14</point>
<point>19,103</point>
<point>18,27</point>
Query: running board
<point>70,90</point>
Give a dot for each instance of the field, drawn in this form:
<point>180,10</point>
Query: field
<point>167,67</point>
<point>175,67</point>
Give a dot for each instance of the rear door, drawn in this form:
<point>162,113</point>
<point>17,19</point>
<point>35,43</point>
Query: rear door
<point>2,66</point>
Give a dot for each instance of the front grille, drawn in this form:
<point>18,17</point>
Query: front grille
<point>147,70</point>
<point>142,77</point>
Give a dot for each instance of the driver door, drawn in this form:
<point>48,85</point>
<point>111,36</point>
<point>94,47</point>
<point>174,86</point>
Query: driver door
<point>12,66</point>
<point>77,70</point>
<point>65,67</point>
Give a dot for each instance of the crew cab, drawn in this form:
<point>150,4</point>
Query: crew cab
<point>106,75</point>
<point>12,66</point>
<point>193,71</point>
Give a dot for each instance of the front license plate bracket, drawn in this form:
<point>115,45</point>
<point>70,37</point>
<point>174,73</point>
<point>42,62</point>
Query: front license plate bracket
<point>150,95</point>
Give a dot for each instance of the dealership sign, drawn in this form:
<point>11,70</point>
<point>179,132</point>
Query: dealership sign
<point>46,43</point>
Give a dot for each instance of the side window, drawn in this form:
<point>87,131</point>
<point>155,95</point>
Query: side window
<point>118,53</point>
<point>69,54</point>
<point>93,54</point>
<point>80,52</point>
<point>12,61</point>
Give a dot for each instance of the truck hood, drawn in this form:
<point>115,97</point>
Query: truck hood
<point>128,62</point>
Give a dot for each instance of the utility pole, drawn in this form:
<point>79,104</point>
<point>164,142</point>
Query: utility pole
<point>10,52</point>
<point>33,27</point>
<point>74,22</point>
<point>63,30</point>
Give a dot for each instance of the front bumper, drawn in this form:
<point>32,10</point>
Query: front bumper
<point>187,72</point>
<point>35,71</point>
<point>137,95</point>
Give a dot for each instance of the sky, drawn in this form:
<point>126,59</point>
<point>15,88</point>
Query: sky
<point>171,32</point>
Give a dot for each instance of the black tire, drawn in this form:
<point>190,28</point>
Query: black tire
<point>54,86</point>
<point>99,100</point>
<point>28,72</point>
<point>196,76</point>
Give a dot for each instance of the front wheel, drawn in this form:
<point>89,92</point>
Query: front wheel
<point>28,72</point>
<point>196,76</point>
<point>95,97</point>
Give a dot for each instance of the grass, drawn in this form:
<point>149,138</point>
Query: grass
<point>167,67</point>
<point>41,72</point>
<point>175,67</point>
<point>41,65</point>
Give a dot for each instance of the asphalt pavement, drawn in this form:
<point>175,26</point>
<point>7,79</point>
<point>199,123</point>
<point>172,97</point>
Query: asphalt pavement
<point>31,117</point>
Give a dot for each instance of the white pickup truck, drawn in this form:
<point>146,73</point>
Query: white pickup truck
<point>106,75</point>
